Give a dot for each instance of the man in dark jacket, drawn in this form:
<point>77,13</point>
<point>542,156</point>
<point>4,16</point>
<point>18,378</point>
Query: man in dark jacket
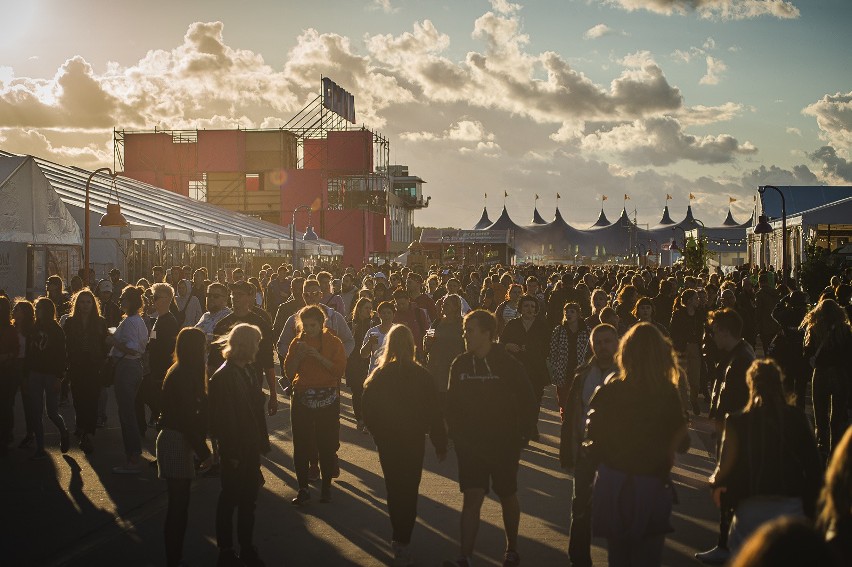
<point>730,394</point>
<point>587,379</point>
<point>161,348</point>
<point>491,412</point>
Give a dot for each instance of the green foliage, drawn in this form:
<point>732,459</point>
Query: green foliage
<point>696,254</point>
<point>816,271</point>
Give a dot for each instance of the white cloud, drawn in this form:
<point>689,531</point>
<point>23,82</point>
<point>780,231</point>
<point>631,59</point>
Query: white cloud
<point>701,115</point>
<point>794,131</point>
<point>715,69</point>
<point>709,44</point>
<point>597,31</point>
<point>461,131</point>
<point>662,141</point>
<point>504,7</point>
<point>714,9</point>
<point>384,5</point>
<point>833,114</point>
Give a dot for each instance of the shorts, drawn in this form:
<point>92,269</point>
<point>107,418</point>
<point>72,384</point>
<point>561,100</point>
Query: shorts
<point>495,468</point>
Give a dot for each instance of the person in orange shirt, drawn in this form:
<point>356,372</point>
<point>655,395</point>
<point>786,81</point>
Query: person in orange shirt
<point>315,363</point>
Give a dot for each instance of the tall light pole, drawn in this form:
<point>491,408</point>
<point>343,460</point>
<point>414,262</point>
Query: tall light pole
<point>113,217</point>
<point>763,227</point>
<point>309,231</point>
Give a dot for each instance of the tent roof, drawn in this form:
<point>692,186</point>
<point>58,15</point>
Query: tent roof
<point>799,198</point>
<point>537,217</point>
<point>667,219</point>
<point>484,221</point>
<point>504,222</point>
<point>145,205</point>
<point>602,220</point>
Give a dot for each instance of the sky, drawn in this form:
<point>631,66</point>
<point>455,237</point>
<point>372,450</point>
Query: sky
<point>581,98</point>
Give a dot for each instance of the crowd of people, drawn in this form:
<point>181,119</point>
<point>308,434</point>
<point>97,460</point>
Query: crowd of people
<point>464,356</point>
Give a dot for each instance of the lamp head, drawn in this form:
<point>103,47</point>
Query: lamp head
<point>763,226</point>
<point>113,216</point>
<point>310,234</point>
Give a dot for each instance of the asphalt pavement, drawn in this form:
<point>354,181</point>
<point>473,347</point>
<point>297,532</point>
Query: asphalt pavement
<point>70,510</point>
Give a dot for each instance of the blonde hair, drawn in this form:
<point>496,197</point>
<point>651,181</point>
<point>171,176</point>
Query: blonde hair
<point>240,344</point>
<point>646,358</point>
<point>398,347</point>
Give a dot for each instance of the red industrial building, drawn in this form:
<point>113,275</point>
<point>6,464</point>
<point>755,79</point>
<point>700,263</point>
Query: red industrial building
<point>319,160</point>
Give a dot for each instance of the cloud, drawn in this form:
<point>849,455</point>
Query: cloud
<point>794,131</point>
<point>662,141</point>
<point>836,168</point>
<point>701,115</point>
<point>715,69</point>
<point>504,7</point>
<point>91,154</point>
<point>383,5</point>
<point>598,31</point>
<point>834,118</point>
<point>713,9</point>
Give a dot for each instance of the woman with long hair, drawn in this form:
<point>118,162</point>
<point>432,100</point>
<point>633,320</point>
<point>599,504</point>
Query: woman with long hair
<point>600,301</point>
<point>625,302</point>
<point>183,423</point>
<point>569,348</point>
<point>635,426</point>
<point>828,339</point>
<point>315,363</point>
<point>687,332</point>
<point>360,323</point>
<point>10,373</point>
<point>769,465</point>
<point>835,503</point>
<point>400,407</point>
<point>45,363</point>
<point>23,319</point>
<point>644,312</point>
<point>85,341</point>
<point>128,345</point>
<point>237,408</point>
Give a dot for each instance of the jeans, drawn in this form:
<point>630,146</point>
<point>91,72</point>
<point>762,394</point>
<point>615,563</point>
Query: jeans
<point>402,466</point>
<point>128,376</point>
<point>315,427</point>
<point>830,398</point>
<point>647,552</point>
<point>240,486</point>
<point>580,536</point>
<point>44,391</point>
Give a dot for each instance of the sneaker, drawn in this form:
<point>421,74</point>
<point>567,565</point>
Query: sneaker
<point>64,441</point>
<point>302,497</point>
<point>26,442</point>
<point>314,473</point>
<point>716,556</point>
<point>86,444</point>
<point>511,558</point>
<point>128,468</point>
<point>250,557</point>
<point>227,558</point>
<point>40,456</point>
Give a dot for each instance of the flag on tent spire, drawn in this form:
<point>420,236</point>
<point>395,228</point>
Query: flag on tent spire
<point>604,197</point>
<point>691,197</point>
<point>626,197</point>
<point>731,200</point>
<point>668,197</point>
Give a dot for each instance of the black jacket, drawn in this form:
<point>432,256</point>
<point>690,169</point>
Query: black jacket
<point>161,345</point>
<point>536,343</point>
<point>86,346</point>
<point>237,417</point>
<point>401,405</point>
<point>490,401</point>
<point>730,393</point>
<point>574,421</point>
<point>46,349</point>
<point>634,430</point>
<point>185,410</point>
<point>769,454</point>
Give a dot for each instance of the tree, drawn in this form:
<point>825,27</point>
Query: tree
<point>816,271</point>
<point>696,254</point>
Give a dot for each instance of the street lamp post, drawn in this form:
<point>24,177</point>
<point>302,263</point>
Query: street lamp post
<point>763,227</point>
<point>309,231</point>
<point>113,217</point>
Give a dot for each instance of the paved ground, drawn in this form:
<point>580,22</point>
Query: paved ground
<point>71,511</point>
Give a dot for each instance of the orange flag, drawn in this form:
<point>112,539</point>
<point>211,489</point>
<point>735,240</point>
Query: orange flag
<point>558,196</point>
<point>626,197</point>
<point>604,197</point>
<point>668,197</point>
<point>691,196</point>
<point>731,200</point>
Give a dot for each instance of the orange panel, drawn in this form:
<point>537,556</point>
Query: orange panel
<point>221,150</point>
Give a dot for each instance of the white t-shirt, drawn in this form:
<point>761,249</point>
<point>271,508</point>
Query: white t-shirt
<point>374,356</point>
<point>132,333</point>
